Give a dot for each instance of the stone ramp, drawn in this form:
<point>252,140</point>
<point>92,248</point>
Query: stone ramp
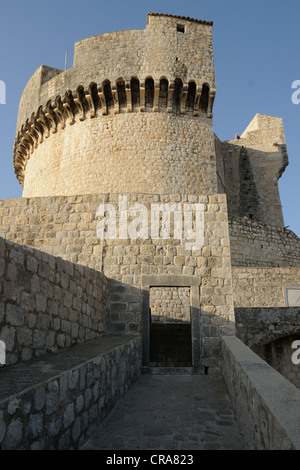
<point>170,412</point>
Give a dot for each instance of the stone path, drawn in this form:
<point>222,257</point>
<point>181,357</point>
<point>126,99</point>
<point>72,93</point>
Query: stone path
<point>170,412</point>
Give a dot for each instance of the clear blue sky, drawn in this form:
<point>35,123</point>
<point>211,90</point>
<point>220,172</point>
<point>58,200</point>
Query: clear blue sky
<point>256,48</point>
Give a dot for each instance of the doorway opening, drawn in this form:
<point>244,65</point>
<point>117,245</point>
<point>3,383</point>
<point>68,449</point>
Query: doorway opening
<point>170,334</point>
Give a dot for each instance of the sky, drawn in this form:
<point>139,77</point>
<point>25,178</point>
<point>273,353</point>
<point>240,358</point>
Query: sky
<point>256,52</point>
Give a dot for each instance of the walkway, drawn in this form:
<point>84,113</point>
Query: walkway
<point>171,412</point>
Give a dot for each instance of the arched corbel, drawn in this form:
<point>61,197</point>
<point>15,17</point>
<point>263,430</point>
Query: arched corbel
<point>183,98</point>
<point>50,115</point>
<point>36,126</point>
<point>128,96</point>
<point>156,95</point>
<point>32,132</point>
<point>197,100</point>
<point>102,100</point>
<point>90,101</point>
<point>59,111</point>
<point>42,120</point>
<point>69,105</point>
<point>142,96</point>
<point>170,96</point>
<point>212,93</point>
<point>27,138</point>
<point>114,93</point>
<point>79,101</point>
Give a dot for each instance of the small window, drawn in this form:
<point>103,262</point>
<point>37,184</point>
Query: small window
<point>180,28</point>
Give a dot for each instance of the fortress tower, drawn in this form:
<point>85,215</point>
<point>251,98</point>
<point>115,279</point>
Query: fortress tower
<point>132,115</point>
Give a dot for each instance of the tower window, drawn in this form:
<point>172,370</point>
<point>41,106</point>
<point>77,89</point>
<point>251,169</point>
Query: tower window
<point>180,28</point>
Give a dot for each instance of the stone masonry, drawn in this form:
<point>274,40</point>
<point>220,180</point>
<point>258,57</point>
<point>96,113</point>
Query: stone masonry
<point>131,222</point>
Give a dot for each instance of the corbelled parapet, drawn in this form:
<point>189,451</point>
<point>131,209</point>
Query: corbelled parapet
<point>136,106</point>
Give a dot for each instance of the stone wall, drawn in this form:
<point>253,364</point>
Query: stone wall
<point>262,287</point>
<point>47,303</point>
<point>271,332</point>
<point>266,405</point>
<point>159,50</point>
<point>67,227</point>
<point>249,167</point>
<point>259,326</point>
<point>108,124</point>
<point>127,152</point>
<point>258,244</point>
<point>283,355</point>
<point>57,402</point>
<point>170,304</point>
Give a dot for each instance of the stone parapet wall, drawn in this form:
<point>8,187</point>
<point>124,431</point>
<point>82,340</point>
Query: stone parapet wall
<point>262,287</point>
<point>266,405</point>
<point>159,50</point>
<point>56,403</point>
<point>258,244</point>
<point>47,303</point>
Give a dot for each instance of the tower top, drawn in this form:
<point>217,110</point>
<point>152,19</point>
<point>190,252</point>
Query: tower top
<point>186,18</point>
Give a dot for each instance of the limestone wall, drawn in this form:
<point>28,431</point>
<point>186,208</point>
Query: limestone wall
<point>262,287</point>
<point>47,303</point>
<point>67,227</point>
<point>170,304</point>
<point>258,244</point>
<point>145,152</point>
<point>249,167</point>
<point>83,130</point>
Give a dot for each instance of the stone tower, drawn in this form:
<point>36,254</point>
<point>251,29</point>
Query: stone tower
<point>132,115</point>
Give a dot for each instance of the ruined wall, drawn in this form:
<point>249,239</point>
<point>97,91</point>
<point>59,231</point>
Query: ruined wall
<point>249,168</point>
<point>47,303</point>
<point>258,244</point>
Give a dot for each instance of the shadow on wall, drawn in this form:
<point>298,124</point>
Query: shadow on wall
<point>249,179</point>
<point>195,343</point>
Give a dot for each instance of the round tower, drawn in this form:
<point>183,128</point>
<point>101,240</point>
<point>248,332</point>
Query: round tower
<point>133,114</point>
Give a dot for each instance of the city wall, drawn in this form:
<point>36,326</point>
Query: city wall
<point>47,303</point>
<point>67,227</point>
<point>259,244</point>
<point>263,287</point>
